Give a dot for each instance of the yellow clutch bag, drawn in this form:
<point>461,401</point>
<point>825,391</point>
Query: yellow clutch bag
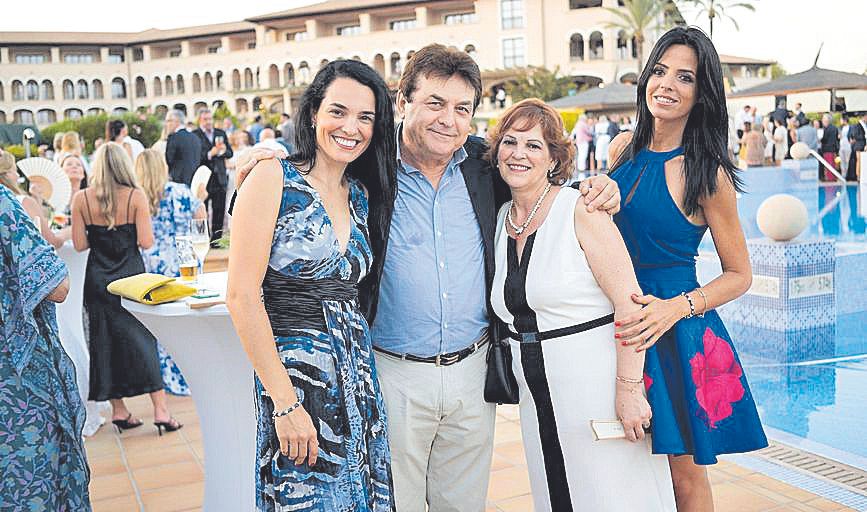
<point>150,289</point>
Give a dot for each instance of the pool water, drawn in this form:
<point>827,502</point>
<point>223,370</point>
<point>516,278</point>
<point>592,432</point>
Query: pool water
<point>816,398</point>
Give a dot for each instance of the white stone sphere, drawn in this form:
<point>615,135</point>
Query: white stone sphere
<point>800,151</point>
<point>782,217</point>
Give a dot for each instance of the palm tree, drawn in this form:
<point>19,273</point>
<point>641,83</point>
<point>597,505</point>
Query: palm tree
<point>717,9</point>
<point>637,18</point>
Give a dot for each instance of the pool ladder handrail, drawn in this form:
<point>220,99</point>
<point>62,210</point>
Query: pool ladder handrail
<point>828,166</point>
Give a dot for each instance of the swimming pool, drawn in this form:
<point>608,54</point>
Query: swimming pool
<point>811,386</point>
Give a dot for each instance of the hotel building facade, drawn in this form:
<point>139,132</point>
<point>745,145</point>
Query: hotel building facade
<point>266,61</point>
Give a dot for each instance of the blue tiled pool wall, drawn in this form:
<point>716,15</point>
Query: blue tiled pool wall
<point>850,283</point>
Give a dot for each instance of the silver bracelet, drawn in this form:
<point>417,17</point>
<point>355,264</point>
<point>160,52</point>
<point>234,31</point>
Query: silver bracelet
<point>703,296</point>
<point>286,411</point>
<point>691,305</point>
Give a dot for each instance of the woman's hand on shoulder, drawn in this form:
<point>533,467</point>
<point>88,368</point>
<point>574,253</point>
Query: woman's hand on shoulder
<point>600,193</point>
<point>250,161</point>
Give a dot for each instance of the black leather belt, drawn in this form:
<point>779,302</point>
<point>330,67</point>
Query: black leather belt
<point>535,337</point>
<point>439,359</point>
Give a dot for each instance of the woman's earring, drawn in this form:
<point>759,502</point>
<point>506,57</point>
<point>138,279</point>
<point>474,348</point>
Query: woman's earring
<point>552,172</point>
<point>312,125</point>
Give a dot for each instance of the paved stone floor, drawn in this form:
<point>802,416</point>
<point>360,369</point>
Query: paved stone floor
<point>138,470</point>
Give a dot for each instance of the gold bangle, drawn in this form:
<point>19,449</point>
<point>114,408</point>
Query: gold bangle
<point>629,381</point>
<point>703,296</point>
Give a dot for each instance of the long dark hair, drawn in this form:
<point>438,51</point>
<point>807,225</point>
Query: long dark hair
<point>705,137</point>
<point>113,129</point>
<point>376,168</point>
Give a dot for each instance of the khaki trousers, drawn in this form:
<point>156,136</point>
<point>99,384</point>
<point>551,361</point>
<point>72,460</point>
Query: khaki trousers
<point>441,433</point>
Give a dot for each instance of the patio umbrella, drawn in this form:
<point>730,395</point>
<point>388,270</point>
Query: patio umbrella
<point>813,79</point>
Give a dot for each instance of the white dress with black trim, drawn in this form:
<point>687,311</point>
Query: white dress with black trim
<point>568,380</point>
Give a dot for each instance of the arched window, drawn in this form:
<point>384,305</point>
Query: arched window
<point>199,106</point>
<point>596,46</point>
<point>240,105</point>
<point>46,116</point>
<point>634,48</point>
<point>622,46</point>
<point>236,80</point>
<point>379,64</point>
<point>2,115</point>
<point>82,89</point>
<point>118,88</point>
<point>160,111</point>
<point>97,89</point>
<point>409,55</point>
<point>289,74</point>
<point>576,47</point>
<point>2,98</point>
<point>220,80</point>
<point>18,90</point>
<point>72,113</point>
<point>158,86</point>
<point>179,83</point>
<point>323,63</point>
<point>46,92</point>
<point>32,90</point>
<point>68,90</point>
<point>471,50</point>
<point>394,65</point>
<point>23,117</point>
<point>273,76</point>
<point>141,88</point>
<point>169,85</point>
<point>209,82</point>
<point>248,79</point>
<point>197,83</point>
<point>95,111</point>
<point>118,111</point>
<point>304,72</point>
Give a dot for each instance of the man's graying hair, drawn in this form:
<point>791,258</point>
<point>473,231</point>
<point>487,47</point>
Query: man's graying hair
<point>439,61</point>
<point>178,115</point>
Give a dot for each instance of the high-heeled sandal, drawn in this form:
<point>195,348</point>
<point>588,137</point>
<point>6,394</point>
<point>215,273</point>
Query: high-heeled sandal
<point>126,424</point>
<point>171,426</point>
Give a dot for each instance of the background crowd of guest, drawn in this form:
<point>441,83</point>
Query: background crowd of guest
<point>758,140</point>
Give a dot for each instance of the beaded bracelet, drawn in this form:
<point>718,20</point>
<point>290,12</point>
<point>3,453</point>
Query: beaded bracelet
<point>286,411</point>
<point>691,305</point>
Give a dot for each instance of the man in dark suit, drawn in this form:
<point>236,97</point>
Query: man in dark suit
<point>427,303</point>
<point>215,151</point>
<point>183,149</point>
<point>858,139</point>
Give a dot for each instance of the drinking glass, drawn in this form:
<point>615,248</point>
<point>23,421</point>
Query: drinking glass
<point>187,260</point>
<point>200,236</point>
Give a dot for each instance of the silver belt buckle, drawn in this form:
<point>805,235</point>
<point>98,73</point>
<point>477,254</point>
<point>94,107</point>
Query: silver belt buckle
<point>437,360</point>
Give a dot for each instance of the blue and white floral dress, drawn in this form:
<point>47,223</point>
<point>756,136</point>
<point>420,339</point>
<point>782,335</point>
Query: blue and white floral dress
<point>177,207</point>
<point>322,338</point>
<point>42,458</point>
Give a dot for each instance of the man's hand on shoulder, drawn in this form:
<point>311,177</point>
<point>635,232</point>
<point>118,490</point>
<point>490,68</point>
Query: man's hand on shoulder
<point>601,192</point>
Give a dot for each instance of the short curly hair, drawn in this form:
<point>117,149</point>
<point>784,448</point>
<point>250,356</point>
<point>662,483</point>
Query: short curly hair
<point>523,116</point>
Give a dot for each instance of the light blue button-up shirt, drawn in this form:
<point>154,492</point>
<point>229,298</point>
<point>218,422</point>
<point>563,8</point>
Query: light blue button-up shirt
<point>432,293</point>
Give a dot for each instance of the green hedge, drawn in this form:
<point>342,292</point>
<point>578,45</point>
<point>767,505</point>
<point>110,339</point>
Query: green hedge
<point>144,127</point>
<point>17,151</point>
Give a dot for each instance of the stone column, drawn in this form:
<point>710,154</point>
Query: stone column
<point>364,22</point>
<point>421,20</point>
<point>312,29</point>
<point>55,55</point>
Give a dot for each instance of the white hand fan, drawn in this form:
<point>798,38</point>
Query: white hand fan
<point>52,182</point>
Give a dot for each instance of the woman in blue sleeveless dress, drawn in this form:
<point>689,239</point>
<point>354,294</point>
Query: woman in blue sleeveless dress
<point>678,182</point>
<point>41,414</point>
<point>304,235</point>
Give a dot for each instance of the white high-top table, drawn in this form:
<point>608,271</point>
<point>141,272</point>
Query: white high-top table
<point>206,348</point>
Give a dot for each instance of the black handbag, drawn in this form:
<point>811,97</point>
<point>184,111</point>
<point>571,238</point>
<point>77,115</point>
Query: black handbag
<point>500,384</point>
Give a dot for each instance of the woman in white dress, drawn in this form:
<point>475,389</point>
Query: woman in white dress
<point>562,275</point>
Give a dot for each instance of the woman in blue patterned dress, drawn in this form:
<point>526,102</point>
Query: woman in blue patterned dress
<point>303,236</point>
<point>41,414</point>
<point>173,206</point>
<point>679,182</point>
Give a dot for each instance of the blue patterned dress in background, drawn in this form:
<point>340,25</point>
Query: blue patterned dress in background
<point>173,218</point>
<point>695,383</point>
<point>327,353</point>
<point>42,458</point>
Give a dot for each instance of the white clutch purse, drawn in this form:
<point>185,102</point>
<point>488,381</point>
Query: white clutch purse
<point>607,429</point>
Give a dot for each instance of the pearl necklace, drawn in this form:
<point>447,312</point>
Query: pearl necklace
<point>520,229</point>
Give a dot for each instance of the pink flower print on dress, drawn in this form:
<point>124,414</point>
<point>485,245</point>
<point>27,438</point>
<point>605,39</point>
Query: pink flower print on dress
<point>647,382</point>
<point>717,378</point>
